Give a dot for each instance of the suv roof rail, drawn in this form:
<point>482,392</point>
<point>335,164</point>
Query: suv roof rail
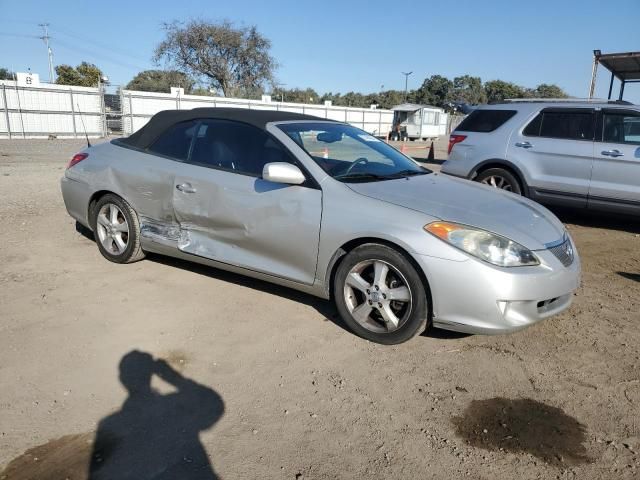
<point>565,100</point>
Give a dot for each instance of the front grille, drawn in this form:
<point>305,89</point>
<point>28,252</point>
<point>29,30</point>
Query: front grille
<point>563,252</point>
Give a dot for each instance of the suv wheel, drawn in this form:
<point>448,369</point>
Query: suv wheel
<point>500,178</point>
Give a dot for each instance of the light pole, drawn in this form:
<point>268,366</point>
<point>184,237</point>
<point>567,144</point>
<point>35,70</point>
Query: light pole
<point>406,83</point>
<point>46,38</point>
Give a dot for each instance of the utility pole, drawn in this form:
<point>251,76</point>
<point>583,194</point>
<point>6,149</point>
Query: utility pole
<point>406,83</point>
<point>46,38</point>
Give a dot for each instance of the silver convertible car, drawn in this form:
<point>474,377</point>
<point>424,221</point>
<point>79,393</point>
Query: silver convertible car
<point>325,208</point>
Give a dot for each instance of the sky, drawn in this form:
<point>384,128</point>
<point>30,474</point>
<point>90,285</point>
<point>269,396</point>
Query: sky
<point>348,45</point>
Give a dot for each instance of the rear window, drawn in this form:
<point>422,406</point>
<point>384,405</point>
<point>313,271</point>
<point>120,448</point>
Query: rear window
<point>175,141</point>
<point>485,120</point>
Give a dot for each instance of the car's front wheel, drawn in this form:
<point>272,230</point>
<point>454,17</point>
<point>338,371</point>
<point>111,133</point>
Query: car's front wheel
<point>380,295</point>
<point>117,230</point>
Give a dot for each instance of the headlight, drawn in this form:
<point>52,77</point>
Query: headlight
<point>484,245</point>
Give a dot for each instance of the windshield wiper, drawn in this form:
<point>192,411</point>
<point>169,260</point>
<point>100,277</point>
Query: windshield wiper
<point>407,173</point>
<point>360,176</point>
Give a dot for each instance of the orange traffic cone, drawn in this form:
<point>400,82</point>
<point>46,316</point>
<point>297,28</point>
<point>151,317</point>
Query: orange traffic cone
<point>431,155</point>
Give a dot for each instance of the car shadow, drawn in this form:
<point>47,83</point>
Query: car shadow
<point>153,435</point>
<point>325,308</point>
<point>630,276</point>
<point>592,219</point>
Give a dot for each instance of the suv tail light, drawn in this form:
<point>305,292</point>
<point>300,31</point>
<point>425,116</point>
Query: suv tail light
<point>453,139</point>
<point>77,158</point>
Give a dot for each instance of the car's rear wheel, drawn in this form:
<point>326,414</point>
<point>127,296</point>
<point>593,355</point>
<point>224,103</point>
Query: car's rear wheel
<point>117,230</point>
<point>380,295</point>
<point>501,179</point>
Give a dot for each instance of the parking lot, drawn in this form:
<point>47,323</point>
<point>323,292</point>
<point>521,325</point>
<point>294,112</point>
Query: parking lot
<point>282,390</point>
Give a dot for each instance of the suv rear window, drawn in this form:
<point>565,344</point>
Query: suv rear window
<point>485,120</point>
<point>565,124</point>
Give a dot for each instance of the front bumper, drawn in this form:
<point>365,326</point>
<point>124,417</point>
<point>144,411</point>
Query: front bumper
<point>475,297</point>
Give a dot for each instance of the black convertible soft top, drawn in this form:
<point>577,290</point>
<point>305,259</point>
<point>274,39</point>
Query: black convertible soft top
<point>144,137</point>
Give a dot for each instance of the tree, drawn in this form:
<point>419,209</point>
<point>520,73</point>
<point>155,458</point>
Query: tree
<point>295,95</point>
<point>468,89</point>
<point>235,60</point>
<point>435,90</point>
<point>6,74</point>
<point>84,75</point>
<point>498,90</point>
<point>161,81</point>
<point>545,90</point>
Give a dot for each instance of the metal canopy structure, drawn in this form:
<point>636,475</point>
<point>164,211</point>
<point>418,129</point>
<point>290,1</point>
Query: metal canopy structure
<point>623,66</point>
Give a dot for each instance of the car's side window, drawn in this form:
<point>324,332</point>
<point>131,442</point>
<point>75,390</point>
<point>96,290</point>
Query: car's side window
<point>176,141</point>
<point>235,146</point>
<point>562,124</point>
<point>621,127</point>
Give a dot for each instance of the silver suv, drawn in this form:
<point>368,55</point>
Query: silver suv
<point>570,153</point>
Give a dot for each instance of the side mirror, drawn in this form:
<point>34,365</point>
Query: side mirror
<point>282,172</point>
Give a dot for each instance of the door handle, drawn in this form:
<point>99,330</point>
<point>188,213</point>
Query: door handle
<point>524,144</point>
<point>612,153</point>
<point>186,188</point>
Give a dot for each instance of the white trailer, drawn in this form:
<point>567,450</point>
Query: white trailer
<point>418,122</point>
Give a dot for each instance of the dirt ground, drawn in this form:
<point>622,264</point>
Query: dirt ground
<point>229,375</point>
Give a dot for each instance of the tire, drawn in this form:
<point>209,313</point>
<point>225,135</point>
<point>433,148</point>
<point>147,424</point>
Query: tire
<point>356,296</point>
<point>116,230</point>
<point>501,179</point>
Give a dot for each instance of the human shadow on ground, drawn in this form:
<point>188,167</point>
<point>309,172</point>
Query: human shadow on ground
<point>152,436</point>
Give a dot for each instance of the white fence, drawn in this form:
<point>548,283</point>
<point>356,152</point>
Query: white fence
<point>33,111</point>
<point>40,111</point>
<point>139,107</point>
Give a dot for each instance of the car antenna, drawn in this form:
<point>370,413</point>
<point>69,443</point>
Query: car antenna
<point>83,127</point>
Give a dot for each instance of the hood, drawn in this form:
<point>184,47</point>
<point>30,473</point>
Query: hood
<point>462,201</point>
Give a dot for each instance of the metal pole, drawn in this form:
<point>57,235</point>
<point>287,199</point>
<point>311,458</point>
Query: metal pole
<point>622,89</point>
<point>130,115</point>
<point>406,83</point>
<point>19,106</point>
<point>103,107</point>
<point>73,114</point>
<point>594,71</point>
<point>6,109</point>
<point>610,87</point>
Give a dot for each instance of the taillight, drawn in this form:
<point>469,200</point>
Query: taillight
<point>453,139</point>
<point>77,158</point>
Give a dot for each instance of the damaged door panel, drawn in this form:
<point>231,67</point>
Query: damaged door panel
<point>144,180</point>
<point>249,222</point>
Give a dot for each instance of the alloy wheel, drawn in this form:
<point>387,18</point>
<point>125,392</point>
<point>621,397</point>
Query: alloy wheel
<point>497,181</point>
<point>377,296</point>
<point>112,229</point>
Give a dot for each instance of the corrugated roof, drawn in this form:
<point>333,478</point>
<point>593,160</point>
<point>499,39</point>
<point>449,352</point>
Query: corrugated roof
<point>624,66</point>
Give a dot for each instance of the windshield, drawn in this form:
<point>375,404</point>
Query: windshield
<point>349,154</point>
